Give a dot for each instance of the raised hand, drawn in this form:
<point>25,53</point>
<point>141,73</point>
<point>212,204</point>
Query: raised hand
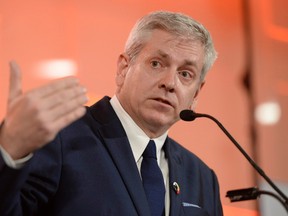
<point>34,118</point>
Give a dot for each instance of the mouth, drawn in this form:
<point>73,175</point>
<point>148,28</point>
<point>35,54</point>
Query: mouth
<point>161,100</point>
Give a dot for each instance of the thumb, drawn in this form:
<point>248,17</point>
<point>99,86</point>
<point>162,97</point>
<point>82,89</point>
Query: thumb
<point>15,83</point>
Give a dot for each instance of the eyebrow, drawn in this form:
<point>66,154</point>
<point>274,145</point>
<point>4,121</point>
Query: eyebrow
<point>163,54</point>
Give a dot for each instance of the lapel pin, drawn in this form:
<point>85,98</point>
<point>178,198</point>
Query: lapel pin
<point>176,188</point>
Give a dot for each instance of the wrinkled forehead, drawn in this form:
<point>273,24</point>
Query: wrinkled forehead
<point>170,37</point>
<point>160,38</point>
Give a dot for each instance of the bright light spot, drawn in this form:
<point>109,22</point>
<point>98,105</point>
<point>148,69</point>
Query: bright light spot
<point>56,68</point>
<point>268,113</point>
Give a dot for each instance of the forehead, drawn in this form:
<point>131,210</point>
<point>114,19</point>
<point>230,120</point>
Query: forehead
<point>172,46</point>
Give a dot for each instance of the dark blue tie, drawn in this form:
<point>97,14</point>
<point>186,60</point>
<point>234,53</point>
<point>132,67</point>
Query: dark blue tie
<point>153,180</point>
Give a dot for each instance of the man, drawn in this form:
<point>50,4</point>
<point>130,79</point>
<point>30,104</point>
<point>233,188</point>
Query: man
<point>94,166</point>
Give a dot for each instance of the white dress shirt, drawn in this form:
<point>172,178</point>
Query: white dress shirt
<point>139,140</point>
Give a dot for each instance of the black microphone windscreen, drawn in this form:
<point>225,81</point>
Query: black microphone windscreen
<point>187,115</point>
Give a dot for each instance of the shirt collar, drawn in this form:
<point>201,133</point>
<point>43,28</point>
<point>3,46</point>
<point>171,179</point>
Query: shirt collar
<point>137,138</point>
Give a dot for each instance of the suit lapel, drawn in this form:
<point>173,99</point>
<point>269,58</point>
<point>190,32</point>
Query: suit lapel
<point>121,153</point>
<point>117,144</point>
<point>175,176</point>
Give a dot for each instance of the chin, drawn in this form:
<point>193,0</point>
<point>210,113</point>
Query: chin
<point>161,120</point>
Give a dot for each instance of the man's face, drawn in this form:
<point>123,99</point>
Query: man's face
<point>161,81</point>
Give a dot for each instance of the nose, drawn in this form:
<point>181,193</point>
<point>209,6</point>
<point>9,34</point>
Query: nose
<point>168,81</point>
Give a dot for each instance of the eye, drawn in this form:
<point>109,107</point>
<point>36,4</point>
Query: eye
<point>186,74</point>
<point>155,64</point>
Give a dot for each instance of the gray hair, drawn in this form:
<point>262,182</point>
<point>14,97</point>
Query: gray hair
<point>174,23</point>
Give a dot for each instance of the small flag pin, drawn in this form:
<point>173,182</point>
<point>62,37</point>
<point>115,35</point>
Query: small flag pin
<point>176,188</point>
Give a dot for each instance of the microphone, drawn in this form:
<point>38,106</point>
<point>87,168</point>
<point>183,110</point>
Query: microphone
<point>189,115</point>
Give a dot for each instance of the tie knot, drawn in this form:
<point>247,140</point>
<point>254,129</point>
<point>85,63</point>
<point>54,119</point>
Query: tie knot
<point>150,151</point>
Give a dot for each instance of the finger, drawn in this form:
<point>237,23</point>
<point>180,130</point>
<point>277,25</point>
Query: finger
<point>69,118</point>
<point>63,97</point>
<point>54,87</point>
<point>67,107</point>
<point>15,83</point>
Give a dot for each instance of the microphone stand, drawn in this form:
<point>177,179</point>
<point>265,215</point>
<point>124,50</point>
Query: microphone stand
<point>189,115</point>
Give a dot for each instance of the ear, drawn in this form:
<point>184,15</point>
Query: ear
<point>195,99</point>
<point>122,68</point>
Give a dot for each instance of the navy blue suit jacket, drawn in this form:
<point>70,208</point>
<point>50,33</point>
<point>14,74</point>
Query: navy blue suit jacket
<point>89,169</point>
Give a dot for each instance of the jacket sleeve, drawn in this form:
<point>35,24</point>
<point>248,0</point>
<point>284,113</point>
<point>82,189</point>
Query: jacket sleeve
<point>26,190</point>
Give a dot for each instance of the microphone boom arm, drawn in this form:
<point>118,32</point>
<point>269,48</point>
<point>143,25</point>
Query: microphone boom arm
<point>189,115</point>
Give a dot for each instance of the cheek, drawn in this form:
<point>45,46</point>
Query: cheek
<point>187,99</point>
<point>119,80</point>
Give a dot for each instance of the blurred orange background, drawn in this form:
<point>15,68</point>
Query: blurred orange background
<point>54,38</point>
